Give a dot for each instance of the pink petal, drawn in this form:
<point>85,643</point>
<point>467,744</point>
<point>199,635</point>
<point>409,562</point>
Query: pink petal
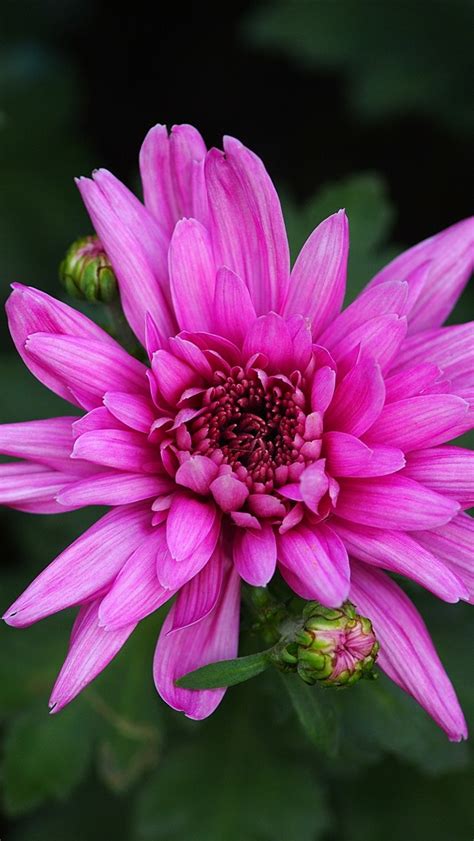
<point>450,253</point>
<point>87,365</point>
<point>417,421</point>
<point>447,470</point>
<point>91,650</point>
<point>314,484</point>
<point>453,544</point>
<point>255,555</point>
<point>197,473</point>
<point>172,375</point>
<point>451,348</point>
<point>191,354</point>
<point>113,489</point>
<point>247,226</point>
<point>46,441</point>
<point>167,166</point>
<point>213,638</point>
<point>400,553</point>
<point>229,492</point>
<point>84,568</point>
<point>380,340</point>
<point>318,279</point>
<point>379,300</point>
<point>28,482</point>
<point>411,382</point>
<point>245,520</point>
<point>270,335</point>
<point>192,275</point>
<point>199,596</point>
<point>300,332</point>
<point>317,557</point>
<point>136,592</point>
<point>348,456</point>
<point>30,311</point>
<point>393,502</point>
<point>141,291</point>
<point>358,400</point>
<point>233,310</point>
<point>122,449</point>
<point>134,410</point>
<point>322,389</point>
<point>266,505</point>
<point>188,524</point>
<point>407,654</point>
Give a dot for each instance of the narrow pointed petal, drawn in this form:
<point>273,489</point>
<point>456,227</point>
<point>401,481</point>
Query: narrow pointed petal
<point>453,544</point>
<point>113,488</point>
<point>92,648</point>
<point>23,482</point>
<point>45,441</point>
<point>349,456</point>
<point>407,654</point>
<point>300,332</point>
<point>318,279</point>
<point>233,310</point>
<point>411,382</point>
<point>380,340</point>
<point>87,365</point>
<point>451,258</point>
<point>418,421</point>
<point>255,555</point>
<point>358,400</point>
<point>189,522</point>
<point>379,300</point>
<point>136,592</point>
<point>84,568</point>
<point>199,596</point>
<point>140,290</point>
<point>30,311</point>
<point>191,354</point>
<point>447,470</point>
<point>317,557</point>
<point>192,275</point>
<point>393,502</point>
<point>134,410</point>
<point>451,348</point>
<point>247,226</point>
<point>401,553</point>
<point>213,638</point>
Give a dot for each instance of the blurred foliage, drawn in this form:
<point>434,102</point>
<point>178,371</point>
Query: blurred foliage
<point>118,763</point>
<point>398,56</point>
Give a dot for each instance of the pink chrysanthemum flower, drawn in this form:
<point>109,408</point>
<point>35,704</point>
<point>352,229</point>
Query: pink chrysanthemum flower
<point>269,429</point>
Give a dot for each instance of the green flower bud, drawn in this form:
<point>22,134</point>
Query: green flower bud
<point>335,647</point>
<point>86,271</point>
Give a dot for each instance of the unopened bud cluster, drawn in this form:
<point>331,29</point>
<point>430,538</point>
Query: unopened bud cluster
<point>86,271</point>
<point>335,647</point>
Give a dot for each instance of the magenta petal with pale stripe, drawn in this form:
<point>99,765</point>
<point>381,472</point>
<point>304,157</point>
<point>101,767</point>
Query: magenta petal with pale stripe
<point>407,654</point>
<point>255,555</point>
<point>215,637</point>
<point>91,650</point>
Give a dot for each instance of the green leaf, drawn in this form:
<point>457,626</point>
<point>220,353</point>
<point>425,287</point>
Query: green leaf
<point>225,672</point>
<point>45,757</point>
<point>232,782</point>
<point>318,723</point>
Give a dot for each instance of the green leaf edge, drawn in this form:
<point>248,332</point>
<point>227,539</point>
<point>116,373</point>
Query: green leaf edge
<point>224,673</point>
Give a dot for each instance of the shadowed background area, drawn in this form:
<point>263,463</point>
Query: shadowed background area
<point>353,103</point>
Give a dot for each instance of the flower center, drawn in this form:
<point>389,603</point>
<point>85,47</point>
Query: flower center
<point>251,426</point>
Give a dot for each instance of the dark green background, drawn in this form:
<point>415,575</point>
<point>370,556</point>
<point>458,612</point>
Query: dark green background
<point>353,103</point>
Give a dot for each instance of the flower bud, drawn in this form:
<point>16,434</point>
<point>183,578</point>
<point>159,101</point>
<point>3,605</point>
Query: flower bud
<point>86,271</point>
<point>335,647</point>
